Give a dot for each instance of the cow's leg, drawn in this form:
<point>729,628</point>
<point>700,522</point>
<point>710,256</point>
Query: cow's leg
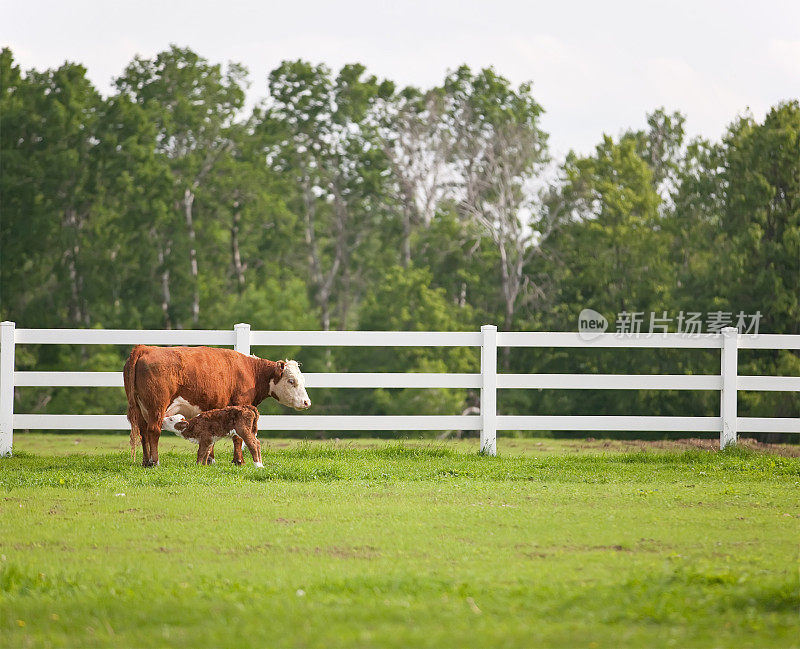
<point>138,429</point>
<point>147,445</point>
<point>211,459</point>
<point>152,418</point>
<point>153,433</point>
<point>238,458</point>
<point>144,435</point>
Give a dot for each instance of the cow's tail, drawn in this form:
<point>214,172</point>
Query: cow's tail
<point>128,376</point>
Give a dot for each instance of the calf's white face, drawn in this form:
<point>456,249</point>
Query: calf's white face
<point>169,423</point>
<point>290,389</point>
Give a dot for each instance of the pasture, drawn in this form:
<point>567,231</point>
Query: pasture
<point>386,544</point>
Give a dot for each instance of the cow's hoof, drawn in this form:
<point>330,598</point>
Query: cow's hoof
<point>238,462</point>
<point>259,465</point>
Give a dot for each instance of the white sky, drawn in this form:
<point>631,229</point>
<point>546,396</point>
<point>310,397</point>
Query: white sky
<point>598,66</point>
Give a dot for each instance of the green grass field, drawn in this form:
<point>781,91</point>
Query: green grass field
<point>386,544</point>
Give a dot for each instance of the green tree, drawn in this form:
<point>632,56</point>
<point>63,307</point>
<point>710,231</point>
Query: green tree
<point>193,104</point>
<point>404,300</point>
<point>323,132</point>
<point>49,187</point>
<point>252,236</point>
<point>614,249</point>
<point>661,146</point>
<point>496,150</point>
<point>761,216</point>
<point>611,257</point>
<point>416,143</point>
<point>760,221</point>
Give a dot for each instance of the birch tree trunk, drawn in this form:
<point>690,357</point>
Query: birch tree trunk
<point>78,311</point>
<point>188,201</point>
<point>406,237</point>
<point>166,297</point>
<point>238,267</point>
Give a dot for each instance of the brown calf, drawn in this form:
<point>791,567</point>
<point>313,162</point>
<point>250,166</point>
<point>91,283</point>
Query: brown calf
<point>208,427</point>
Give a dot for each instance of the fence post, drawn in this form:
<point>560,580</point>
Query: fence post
<point>489,389</point>
<point>6,387</point>
<point>729,393</point>
<point>241,332</point>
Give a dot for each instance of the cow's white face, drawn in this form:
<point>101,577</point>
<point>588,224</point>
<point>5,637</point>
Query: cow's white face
<point>290,389</point>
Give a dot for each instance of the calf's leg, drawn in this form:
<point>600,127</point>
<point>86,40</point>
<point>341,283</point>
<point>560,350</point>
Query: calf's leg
<point>238,458</point>
<point>253,444</point>
<point>247,430</point>
<point>205,447</point>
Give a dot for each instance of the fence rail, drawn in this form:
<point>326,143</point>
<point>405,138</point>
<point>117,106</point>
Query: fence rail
<point>442,380</point>
<point>488,422</point>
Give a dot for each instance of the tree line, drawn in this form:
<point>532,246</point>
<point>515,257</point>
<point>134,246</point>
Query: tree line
<point>343,201</point>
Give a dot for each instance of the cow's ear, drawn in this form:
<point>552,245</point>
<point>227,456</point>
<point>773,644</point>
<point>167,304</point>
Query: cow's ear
<point>279,367</point>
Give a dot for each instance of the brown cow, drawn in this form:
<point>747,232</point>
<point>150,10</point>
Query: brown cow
<point>210,426</point>
<point>165,381</point>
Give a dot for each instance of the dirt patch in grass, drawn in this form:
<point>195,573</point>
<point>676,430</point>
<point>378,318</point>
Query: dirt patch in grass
<point>341,552</point>
<point>346,552</point>
<point>643,545</point>
<point>690,443</point>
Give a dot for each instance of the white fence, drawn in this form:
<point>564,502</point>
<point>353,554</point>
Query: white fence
<point>727,382</point>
